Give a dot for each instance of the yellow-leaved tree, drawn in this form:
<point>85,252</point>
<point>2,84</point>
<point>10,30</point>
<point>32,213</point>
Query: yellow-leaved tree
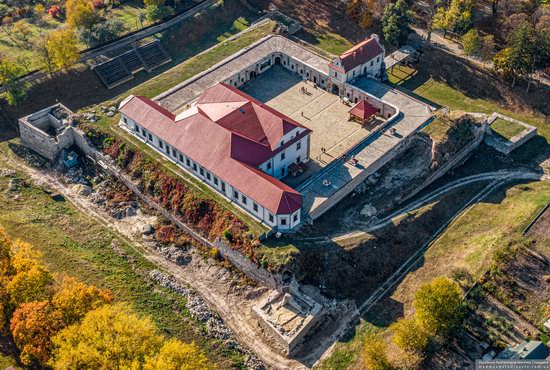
<point>176,355</point>
<point>80,13</point>
<point>75,299</point>
<point>30,280</point>
<point>437,306</point>
<point>112,336</point>
<point>62,46</point>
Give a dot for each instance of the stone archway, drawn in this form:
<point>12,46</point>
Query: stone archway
<point>277,60</point>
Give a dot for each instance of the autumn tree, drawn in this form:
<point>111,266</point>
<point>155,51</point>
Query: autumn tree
<point>471,42</point>
<point>437,306</point>
<point>75,299</point>
<point>32,327</point>
<point>176,355</point>
<point>63,48</point>
<point>374,354</point>
<point>409,336</point>
<point>114,337</point>
<point>31,281</point>
<point>80,13</point>
<point>458,17</point>
<point>396,22</point>
<point>487,49</point>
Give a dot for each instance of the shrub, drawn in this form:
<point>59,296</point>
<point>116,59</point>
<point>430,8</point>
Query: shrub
<point>54,11</point>
<point>228,236</point>
<point>214,253</point>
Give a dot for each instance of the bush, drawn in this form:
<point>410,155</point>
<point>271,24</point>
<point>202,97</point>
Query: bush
<point>215,253</point>
<point>227,235</point>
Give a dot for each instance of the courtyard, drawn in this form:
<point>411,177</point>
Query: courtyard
<point>322,112</point>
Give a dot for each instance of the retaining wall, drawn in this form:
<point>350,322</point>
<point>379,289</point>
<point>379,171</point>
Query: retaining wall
<point>249,268</point>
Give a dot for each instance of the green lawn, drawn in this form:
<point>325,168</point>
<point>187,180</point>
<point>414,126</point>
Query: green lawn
<point>445,95</point>
<point>128,14</point>
<point>77,244</point>
<point>506,129</point>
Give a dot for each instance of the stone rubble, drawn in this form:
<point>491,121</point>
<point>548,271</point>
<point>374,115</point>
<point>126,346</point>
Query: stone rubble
<point>198,310</point>
<point>6,172</point>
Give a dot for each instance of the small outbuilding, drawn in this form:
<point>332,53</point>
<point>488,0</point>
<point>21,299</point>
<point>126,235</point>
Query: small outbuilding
<point>362,112</point>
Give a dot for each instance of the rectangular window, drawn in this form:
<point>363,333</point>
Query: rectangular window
<point>298,159</point>
<point>335,74</point>
<point>235,194</point>
<point>270,217</point>
<point>223,186</point>
<point>244,200</point>
<point>124,120</point>
<point>371,63</point>
<point>377,59</point>
<point>208,176</point>
<point>161,144</point>
<point>215,180</point>
<point>282,156</point>
<point>298,145</point>
<point>150,137</point>
<point>174,152</point>
<point>201,171</point>
<point>187,162</point>
<point>283,221</point>
<point>195,167</point>
<point>255,207</point>
<point>181,158</point>
<point>268,165</point>
<point>143,131</point>
<point>295,217</point>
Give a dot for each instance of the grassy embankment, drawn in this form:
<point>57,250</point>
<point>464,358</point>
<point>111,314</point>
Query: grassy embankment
<point>471,240</point>
<point>77,244</point>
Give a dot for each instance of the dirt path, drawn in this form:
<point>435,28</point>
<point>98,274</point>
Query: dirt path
<point>212,282</point>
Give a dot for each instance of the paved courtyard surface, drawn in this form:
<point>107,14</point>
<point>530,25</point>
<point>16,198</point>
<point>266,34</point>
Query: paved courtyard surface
<point>320,111</point>
<point>373,153</point>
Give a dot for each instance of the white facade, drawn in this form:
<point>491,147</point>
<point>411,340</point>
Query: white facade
<point>243,201</point>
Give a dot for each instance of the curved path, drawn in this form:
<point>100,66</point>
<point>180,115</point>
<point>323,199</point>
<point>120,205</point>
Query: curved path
<point>486,176</point>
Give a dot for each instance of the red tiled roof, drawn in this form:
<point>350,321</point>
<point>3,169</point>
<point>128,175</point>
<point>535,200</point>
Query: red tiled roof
<point>360,53</point>
<point>229,134</point>
<point>363,110</point>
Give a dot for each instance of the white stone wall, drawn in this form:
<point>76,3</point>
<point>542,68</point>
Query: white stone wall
<point>240,199</point>
<point>301,69</point>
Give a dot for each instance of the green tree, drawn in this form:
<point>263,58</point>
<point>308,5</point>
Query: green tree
<point>112,336</point>
<point>437,306</point>
<point>396,22</point>
<point>158,12</point>
<point>522,54</point>
<point>471,42</point>
<point>409,335</point>
<point>16,89</point>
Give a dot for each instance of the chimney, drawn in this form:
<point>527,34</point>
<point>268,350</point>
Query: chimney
<point>375,36</point>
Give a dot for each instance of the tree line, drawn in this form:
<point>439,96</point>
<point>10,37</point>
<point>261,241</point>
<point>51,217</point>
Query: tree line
<point>59,322</point>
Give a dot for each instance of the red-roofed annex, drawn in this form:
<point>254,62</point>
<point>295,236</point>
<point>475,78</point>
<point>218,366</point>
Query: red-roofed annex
<point>235,143</point>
